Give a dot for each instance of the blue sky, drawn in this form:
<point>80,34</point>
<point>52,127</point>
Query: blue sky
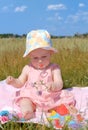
<point>59,17</point>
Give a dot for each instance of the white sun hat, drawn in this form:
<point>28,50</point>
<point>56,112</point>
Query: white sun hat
<point>38,39</point>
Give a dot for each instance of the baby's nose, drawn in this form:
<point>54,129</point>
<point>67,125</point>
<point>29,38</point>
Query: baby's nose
<point>40,60</point>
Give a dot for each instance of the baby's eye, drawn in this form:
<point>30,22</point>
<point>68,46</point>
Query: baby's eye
<point>43,57</point>
<point>35,58</point>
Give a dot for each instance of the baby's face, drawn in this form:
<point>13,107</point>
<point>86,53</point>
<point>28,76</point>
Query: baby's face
<point>40,58</point>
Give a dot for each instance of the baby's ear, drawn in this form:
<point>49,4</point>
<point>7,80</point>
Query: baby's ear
<point>29,55</point>
<point>51,52</point>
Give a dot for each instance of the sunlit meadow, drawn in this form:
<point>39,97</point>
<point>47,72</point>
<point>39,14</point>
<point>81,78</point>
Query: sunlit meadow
<point>72,58</point>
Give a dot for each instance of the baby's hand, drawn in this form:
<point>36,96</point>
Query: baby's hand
<point>51,86</point>
<point>9,80</point>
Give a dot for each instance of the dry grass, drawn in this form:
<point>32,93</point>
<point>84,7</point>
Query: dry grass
<point>72,57</point>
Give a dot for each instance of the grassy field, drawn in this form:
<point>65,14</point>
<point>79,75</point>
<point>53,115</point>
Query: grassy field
<point>72,57</point>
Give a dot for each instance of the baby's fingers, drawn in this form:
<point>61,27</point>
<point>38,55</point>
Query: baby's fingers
<point>9,79</point>
<point>49,86</point>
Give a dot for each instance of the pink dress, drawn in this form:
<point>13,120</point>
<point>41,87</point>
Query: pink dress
<point>36,89</point>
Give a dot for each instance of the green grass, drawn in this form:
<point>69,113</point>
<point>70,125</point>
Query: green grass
<point>23,126</point>
<point>31,126</point>
<point>72,57</point>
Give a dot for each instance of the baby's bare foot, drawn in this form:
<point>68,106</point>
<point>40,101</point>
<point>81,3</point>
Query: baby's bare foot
<point>28,115</point>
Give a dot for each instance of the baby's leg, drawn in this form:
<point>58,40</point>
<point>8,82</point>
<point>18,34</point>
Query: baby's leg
<point>27,108</point>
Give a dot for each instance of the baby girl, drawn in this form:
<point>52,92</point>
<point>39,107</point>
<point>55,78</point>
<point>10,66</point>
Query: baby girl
<point>41,79</point>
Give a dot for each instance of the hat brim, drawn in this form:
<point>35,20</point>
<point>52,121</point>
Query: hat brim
<point>27,52</point>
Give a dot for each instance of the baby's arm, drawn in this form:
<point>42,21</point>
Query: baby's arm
<point>57,79</point>
<point>20,81</point>
<point>57,83</point>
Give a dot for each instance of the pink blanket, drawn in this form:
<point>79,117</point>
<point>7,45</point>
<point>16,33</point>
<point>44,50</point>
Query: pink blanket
<point>7,94</point>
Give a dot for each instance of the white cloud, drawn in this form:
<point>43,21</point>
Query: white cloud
<point>20,8</point>
<point>72,18</point>
<point>56,17</point>
<point>59,18</point>
<point>56,7</point>
<point>17,9</point>
<point>5,8</point>
<point>81,16</point>
<point>81,4</point>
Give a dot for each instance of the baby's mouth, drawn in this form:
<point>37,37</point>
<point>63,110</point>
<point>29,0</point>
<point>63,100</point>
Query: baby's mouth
<point>41,65</point>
